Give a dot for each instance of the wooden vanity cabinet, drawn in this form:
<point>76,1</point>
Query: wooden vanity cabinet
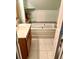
<point>24,39</point>
<point>29,41</point>
<point>23,47</point>
<point>25,44</point>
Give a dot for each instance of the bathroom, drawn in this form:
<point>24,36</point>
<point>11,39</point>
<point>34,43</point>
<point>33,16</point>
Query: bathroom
<point>42,15</point>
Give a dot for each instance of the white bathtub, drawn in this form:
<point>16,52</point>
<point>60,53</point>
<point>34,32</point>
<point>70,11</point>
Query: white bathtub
<point>43,30</point>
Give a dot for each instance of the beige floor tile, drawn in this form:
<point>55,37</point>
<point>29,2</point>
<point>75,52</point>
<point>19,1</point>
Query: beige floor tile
<point>34,55</point>
<point>43,55</point>
<point>50,54</point>
<point>41,49</point>
<point>46,41</point>
<point>35,45</point>
<point>46,47</point>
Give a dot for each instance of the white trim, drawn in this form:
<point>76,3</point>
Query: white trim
<point>59,23</point>
<point>61,50</point>
<point>18,49</point>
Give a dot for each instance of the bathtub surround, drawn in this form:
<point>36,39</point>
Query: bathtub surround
<point>44,16</point>
<point>43,4</point>
<point>45,10</point>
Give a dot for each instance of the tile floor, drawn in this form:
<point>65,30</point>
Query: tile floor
<point>41,48</point>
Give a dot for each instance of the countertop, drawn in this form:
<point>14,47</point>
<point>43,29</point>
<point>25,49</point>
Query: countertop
<point>22,30</point>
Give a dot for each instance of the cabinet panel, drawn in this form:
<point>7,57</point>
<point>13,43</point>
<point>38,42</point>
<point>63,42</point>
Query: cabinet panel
<point>25,44</point>
<point>23,47</point>
<point>29,41</point>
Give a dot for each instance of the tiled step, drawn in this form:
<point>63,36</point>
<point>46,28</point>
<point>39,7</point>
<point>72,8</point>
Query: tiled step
<point>43,36</point>
<point>43,31</point>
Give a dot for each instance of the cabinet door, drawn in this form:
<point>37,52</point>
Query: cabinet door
<point>23,47</point>
<point>29,41</point>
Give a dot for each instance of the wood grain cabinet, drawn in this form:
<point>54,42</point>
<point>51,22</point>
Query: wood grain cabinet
<point>29,41</point>
<point>24,39</point>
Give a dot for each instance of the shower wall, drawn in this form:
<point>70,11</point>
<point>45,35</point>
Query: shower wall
<point>45,10</point>
<point>44,16</point>
<point>43,4</point>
